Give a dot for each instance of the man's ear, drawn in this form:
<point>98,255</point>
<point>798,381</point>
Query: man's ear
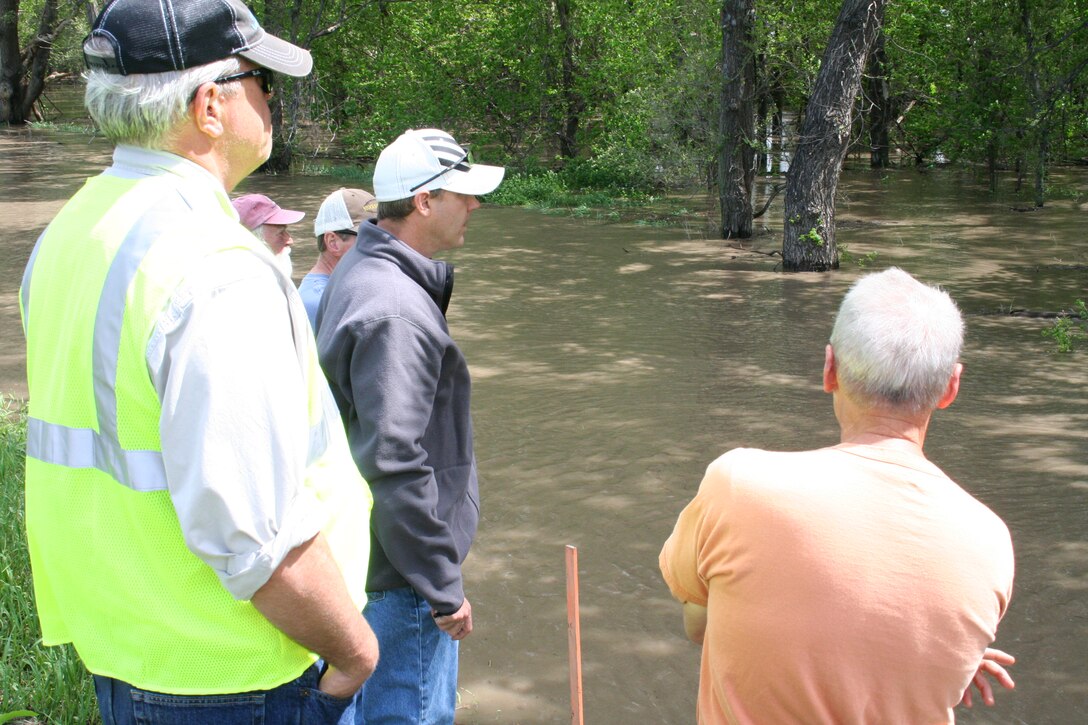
<point>206,110</point>
<point>422,202</point>
<point>831,377</point>
<point>333,241</point>
<point>953,388</point>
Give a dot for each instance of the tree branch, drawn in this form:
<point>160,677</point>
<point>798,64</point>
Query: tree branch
<point>774,192</point>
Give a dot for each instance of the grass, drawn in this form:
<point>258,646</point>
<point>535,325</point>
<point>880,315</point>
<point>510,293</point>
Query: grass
<point>317,167</point>
<point>573,194</point>
<point>84,129</point>
<point>48,681</point>
<point>549,190</point>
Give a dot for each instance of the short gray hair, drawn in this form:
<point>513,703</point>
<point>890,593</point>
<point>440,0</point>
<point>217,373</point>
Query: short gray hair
<point>143,109</point>
<point>896,342</point>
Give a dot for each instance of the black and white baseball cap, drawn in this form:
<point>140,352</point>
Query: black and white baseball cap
<point>156,36</point>
<point>428,159</point>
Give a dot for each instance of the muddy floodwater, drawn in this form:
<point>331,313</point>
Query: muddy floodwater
<point>612,361</point>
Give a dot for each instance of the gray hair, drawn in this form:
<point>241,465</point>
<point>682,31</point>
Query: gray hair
<point>143,109</point>
<point>896,342</point>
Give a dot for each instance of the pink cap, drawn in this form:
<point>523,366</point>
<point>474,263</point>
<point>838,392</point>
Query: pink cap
<point>257,209</point>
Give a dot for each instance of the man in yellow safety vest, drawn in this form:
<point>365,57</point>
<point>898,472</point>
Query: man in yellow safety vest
<point>197,526</point>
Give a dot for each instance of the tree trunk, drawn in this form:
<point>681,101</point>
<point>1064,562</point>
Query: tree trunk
<point>39,57</point>
<point>881,114</point>
<point>763,123</point>
<point>11,64</point>
<point>23,72</point>
<point>1038,105</point>
<point>808,242</point>
<point>573,103</point>
<point>736,121</point>
<point>283,18</point>
<point>282,149</point>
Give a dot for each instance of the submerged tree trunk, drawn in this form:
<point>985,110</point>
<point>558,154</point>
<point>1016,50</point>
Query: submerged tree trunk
<point>11,64</point>
<point>1038,105</point>
<point>277,21</point>
<point>736,120</point>
<point>881,113</point>
<point>23,72</point>
<point>302,23</point>
<point>38,53</point>
<point>808,242</point>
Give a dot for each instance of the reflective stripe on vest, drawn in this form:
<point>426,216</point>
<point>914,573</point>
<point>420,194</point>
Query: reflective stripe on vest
<point>100,449</point>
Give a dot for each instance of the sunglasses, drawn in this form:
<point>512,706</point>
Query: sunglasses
<point>458,164</point>
<point>263,75</point>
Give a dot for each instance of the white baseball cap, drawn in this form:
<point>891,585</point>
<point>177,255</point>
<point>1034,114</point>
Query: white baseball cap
<point>427,159</point>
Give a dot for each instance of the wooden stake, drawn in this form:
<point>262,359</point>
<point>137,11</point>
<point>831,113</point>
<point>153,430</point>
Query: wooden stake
<point>574,637</point>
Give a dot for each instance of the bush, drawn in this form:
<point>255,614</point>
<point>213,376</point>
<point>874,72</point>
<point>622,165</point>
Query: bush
<point>1069,328</point>
<point>579,185</point>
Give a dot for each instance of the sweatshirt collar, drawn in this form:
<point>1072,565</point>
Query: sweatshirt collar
<point>433,275</point>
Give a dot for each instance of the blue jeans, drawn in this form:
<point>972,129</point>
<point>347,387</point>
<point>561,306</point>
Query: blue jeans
<point>294,703</point>
<point>416,679</point>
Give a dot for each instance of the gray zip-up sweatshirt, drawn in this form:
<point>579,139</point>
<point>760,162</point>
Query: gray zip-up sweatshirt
<point>402,386</point>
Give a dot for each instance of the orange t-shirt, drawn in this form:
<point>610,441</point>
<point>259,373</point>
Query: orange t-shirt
<point>851,584</point>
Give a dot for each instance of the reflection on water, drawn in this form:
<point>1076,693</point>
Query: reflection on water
<point>613,362</point>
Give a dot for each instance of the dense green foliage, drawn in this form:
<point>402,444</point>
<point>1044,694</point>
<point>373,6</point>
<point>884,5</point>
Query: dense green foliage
<point>987,79</point>
<point>627,92</point>
<point>960,73</point>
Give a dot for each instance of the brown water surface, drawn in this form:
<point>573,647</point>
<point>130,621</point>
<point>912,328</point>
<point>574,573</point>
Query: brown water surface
<point>612,362</point>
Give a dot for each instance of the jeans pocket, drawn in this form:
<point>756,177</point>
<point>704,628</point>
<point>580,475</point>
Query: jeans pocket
<point>375,596</point>
<point>153,708</point>
<point>320,708</point>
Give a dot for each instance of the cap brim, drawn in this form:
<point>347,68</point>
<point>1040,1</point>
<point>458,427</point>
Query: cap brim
<point>280,56</point>
<point>480,179</point>
<point>285,216</point>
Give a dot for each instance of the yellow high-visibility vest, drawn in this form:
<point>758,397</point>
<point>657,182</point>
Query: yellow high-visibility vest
<point>112,574</point>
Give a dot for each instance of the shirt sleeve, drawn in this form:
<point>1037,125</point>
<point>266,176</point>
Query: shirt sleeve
<point>234,427</point>
<point>695,538</point>
<point>679,558</point>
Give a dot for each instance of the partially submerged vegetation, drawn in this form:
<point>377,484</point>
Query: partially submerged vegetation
<point>1069,328</point>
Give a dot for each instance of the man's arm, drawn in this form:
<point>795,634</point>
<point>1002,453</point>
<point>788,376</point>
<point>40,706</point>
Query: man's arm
<point>680,567</point>
<point>306,599</point>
